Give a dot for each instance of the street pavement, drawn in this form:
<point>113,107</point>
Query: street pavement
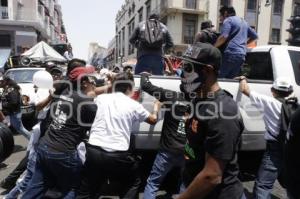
<point>249,163</point>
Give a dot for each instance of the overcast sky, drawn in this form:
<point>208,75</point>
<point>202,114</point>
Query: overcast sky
<point>89,21</point>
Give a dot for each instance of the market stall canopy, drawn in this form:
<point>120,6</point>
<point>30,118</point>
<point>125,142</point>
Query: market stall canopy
<point>42,52</point>
<point>4,55</point>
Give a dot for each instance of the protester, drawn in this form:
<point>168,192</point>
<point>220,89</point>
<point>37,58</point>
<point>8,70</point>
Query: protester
<point>11,105</point>
<point>235,34</point>
<point>271,107</point>
<point>108,154</point>
<point>173,135</point>
<point>292,161</point>
<point>214,130</point>
<point>72,113</point>
<point>151,38</point>
<point>207,34</point>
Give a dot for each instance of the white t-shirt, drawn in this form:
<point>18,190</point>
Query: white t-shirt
<point>272,113</point>
<point>114,119</point>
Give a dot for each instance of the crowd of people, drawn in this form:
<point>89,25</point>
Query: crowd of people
<point>83,135</point>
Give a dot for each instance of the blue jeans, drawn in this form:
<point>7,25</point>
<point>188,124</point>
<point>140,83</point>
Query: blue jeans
<point>54,169</point>
<point>16,122</point>
<point>268,172</point>
<point>150,63</point>
<point>163,163</point>
<point>231,65</point>
<point>22,185</point>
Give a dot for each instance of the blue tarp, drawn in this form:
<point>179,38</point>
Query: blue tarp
<point>4,55</point>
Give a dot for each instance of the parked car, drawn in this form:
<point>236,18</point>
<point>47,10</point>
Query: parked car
<point>263,65</point>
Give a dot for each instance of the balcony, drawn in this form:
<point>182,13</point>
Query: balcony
<point>169,6</point>
<point>4,12</point>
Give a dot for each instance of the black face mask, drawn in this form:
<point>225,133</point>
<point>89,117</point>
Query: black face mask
<point>191,79</point>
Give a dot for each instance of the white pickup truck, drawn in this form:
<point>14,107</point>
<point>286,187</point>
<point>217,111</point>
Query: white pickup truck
<point>263,65</point>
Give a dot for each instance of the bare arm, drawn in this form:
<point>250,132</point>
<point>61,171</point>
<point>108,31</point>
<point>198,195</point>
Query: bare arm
<point>220,41</point>
<point>206,180</point>
<point>153,117</point>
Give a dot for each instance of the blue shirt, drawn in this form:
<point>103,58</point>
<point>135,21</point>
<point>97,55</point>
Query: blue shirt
<point>237,31</point>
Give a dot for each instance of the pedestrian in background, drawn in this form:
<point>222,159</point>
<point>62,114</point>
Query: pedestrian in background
<point>235,35</point>
<point>108,152</point>
<point>213,132</point>
<point>152,39</point>
<point>272,161</point>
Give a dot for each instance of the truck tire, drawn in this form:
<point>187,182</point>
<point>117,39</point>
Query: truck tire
<point>7,140</point>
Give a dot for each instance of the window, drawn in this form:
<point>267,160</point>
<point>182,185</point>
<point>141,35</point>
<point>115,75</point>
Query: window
<point>148,9</point>
<point>277,7</point>
<point>295,59</point>
<point>275,36</point>
<point>3,3</point>
<point>258,66</point>
<point>297,9</point>
<point>141,14</point>
<point>191,4</point>
<point>189,28</point>
<point>252,4</point>
<point>131,26</point>
<point>5,41</point>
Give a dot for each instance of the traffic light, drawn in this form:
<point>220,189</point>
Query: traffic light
<point>294,30</point>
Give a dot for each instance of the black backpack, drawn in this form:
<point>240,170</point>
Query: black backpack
<point>153,35</point>
<point>289,107</point>
<point>210,37</point>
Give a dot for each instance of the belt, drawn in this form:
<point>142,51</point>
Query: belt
<point>103,150</point>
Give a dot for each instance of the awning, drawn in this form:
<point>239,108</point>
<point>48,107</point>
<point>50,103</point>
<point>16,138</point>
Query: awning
<point>4,55</point>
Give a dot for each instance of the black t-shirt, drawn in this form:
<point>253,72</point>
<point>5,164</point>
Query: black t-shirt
<point>72,114</point>
<point>292,159</point>
<point>173,135</point>
<point>215,128</point>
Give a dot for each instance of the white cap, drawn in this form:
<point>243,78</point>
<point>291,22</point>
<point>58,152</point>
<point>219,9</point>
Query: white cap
<point>283,84</point>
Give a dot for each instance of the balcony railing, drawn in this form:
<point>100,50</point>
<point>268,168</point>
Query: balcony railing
<point>3,12</point>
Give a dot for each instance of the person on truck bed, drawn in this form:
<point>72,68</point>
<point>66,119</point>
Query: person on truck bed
<point>272,161</point>
<point>213,132</point>
<point>151,39</point>
<point>235,35</point>
<point>173,135</point>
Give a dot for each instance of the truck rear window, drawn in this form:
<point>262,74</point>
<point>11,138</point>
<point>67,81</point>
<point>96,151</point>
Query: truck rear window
<point>258,66</point>
<point>295,59</point>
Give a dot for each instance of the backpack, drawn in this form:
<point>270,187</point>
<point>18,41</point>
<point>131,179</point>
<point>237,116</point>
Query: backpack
<point>289,107</point>
<point>153,36</point>
<point>209,37</point>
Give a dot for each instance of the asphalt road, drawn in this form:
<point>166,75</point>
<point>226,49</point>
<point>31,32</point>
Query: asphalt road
<point>248,163</point>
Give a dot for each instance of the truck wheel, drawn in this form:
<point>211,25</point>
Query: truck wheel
<point>7,140</point>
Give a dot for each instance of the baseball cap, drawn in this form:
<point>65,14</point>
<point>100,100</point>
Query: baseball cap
<point>283,84</point>
<point>206,24</point>
<point>203,54</point>
<point>78,72</point>
<point>56,70</point>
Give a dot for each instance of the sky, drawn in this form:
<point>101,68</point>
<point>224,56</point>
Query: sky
<point>89,21</point>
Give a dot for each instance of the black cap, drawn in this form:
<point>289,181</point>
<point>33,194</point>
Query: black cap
<point>206,24</point>
<point>154,16</point>
<point>56,70</point>
<point>203,54</point>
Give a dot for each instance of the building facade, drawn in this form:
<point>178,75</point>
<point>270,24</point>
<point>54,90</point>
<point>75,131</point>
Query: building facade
<point>183,19</point>
<point>23,23</point>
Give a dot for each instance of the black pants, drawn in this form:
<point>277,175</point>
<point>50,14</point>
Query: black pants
<point>12,178</point>
<point>115,166</point>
